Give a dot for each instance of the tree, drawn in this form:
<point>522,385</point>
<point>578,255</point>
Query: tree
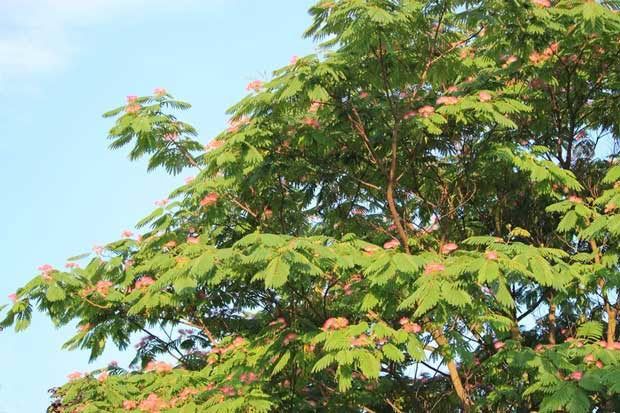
<point>425,195</point>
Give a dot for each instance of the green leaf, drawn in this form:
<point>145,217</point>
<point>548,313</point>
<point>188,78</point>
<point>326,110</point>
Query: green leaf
<point>55,293</point>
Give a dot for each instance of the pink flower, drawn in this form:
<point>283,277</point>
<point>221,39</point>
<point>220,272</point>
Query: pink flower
<point>255,85</point>
<point>294,59</point>
<point>434,267</point>
<point>536,57</point>
<point>511,59</point>
<point>542,3</point>
<point>127,234</point>
<point>131,99</point>
<point>484,96</point>
<point>162,202</point>
<point>491,255</point>
<point>71,265</point>
<point>576,375</point>
<point>214,144</point>
<point>426,111</point>
<point>129,404</point>
<point>159,92</point>
<point>403,321</point>
<point>234,124</point>
<point>209,199</point>
<point>589,358</point>
<point>102,377</point>
<point>279,322</point>
<point>13,297</point>
<point>447,100</point>
<point>113,364</point>
<point>335,323</point>
<point>170,137</point>
<point>313,123</point>
<point>448,248</point>
<point>498,344</point>
<point>412,328</point>
<point>363,95</point>
<point>170,244</point>
<point>575,199</point>
<point>391,244</point>
<point>152,404</point>
<point>75,375</point>
<point>409,114</point>
<point>362,340</point>
<point>45,268</point>
<point>289,338</point>
<point>189,180</point>
<point>452,89</point>
<point>98,249</point>
<point>144,282</point>
<point>103,286</point>
<point>314,107</point>
<point>192,240</point>
<point>133,108</point>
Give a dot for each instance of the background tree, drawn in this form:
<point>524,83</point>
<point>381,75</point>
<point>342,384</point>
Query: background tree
<point>425,194</point>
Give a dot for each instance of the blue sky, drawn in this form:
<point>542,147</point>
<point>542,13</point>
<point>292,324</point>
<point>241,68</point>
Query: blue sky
<point>62,64</point>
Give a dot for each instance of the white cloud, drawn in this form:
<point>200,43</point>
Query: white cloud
<point>39,36</point>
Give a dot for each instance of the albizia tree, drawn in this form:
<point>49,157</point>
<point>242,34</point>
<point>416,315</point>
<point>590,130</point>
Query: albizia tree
<point>419,219</point>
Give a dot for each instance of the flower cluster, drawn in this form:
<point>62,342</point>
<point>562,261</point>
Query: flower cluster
<point>335,323</point>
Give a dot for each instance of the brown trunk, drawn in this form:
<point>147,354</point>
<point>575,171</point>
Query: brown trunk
<point>551,322</point>
<point>611,325</point>
<point>454,374</point>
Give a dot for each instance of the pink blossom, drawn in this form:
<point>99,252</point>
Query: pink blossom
<point>589,358</point>
<point>426,111</point>
<point>434,267</point>
<point>113,363</point>
<point>315,107</point>
<point>335,323</point>
<point>484,96</point>
<point>542,3</point>
<point>391,244</point>
<point>170,244</point>
<point>98,249</point>
<point>159,92</point>
<point>491,255</point>
<point>102,377</point>
<point>131,98</point>
<point>162,202</point>
<point>403,321</point>
<point>575,199</point>
<point>158,366</point>
<point>192,240</point>
<point>13,297</point>
<point>536,57</point>
<point>576,375</point>
<point>129,404</point>
<point>103,286</point>
<point>133,108</point>
<point>412,328</point>
<point>447,100</point>
<point>498,344</point>
<point>214,144</point>
<point>599,364</point>
<point>127,234</point>
<point>254,85</point>
<point>360,341</point>
<point>511,59</point>
<point>152,404</point>
<point>452,89</point>
<point>234,124</point>
<point>313,123</point>
<point>280,321</point>
<point>294,59</point>
<point>144,282</point>
<point>75,375</point>
<point>45,268</point>
<point>448,248</point>
<point>209,199</point>
<point>71,265</point>
<point>363,95</point>
<point>409,114</point>
<point>289,338</point>
<point>189,180</point>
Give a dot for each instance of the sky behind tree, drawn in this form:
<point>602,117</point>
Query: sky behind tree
<point>62,64</point>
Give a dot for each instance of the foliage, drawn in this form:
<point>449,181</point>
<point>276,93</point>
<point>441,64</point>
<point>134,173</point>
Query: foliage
<point>424,195</point>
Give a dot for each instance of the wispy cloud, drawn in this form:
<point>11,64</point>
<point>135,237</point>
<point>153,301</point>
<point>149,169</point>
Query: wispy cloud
<point>39,36</point>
